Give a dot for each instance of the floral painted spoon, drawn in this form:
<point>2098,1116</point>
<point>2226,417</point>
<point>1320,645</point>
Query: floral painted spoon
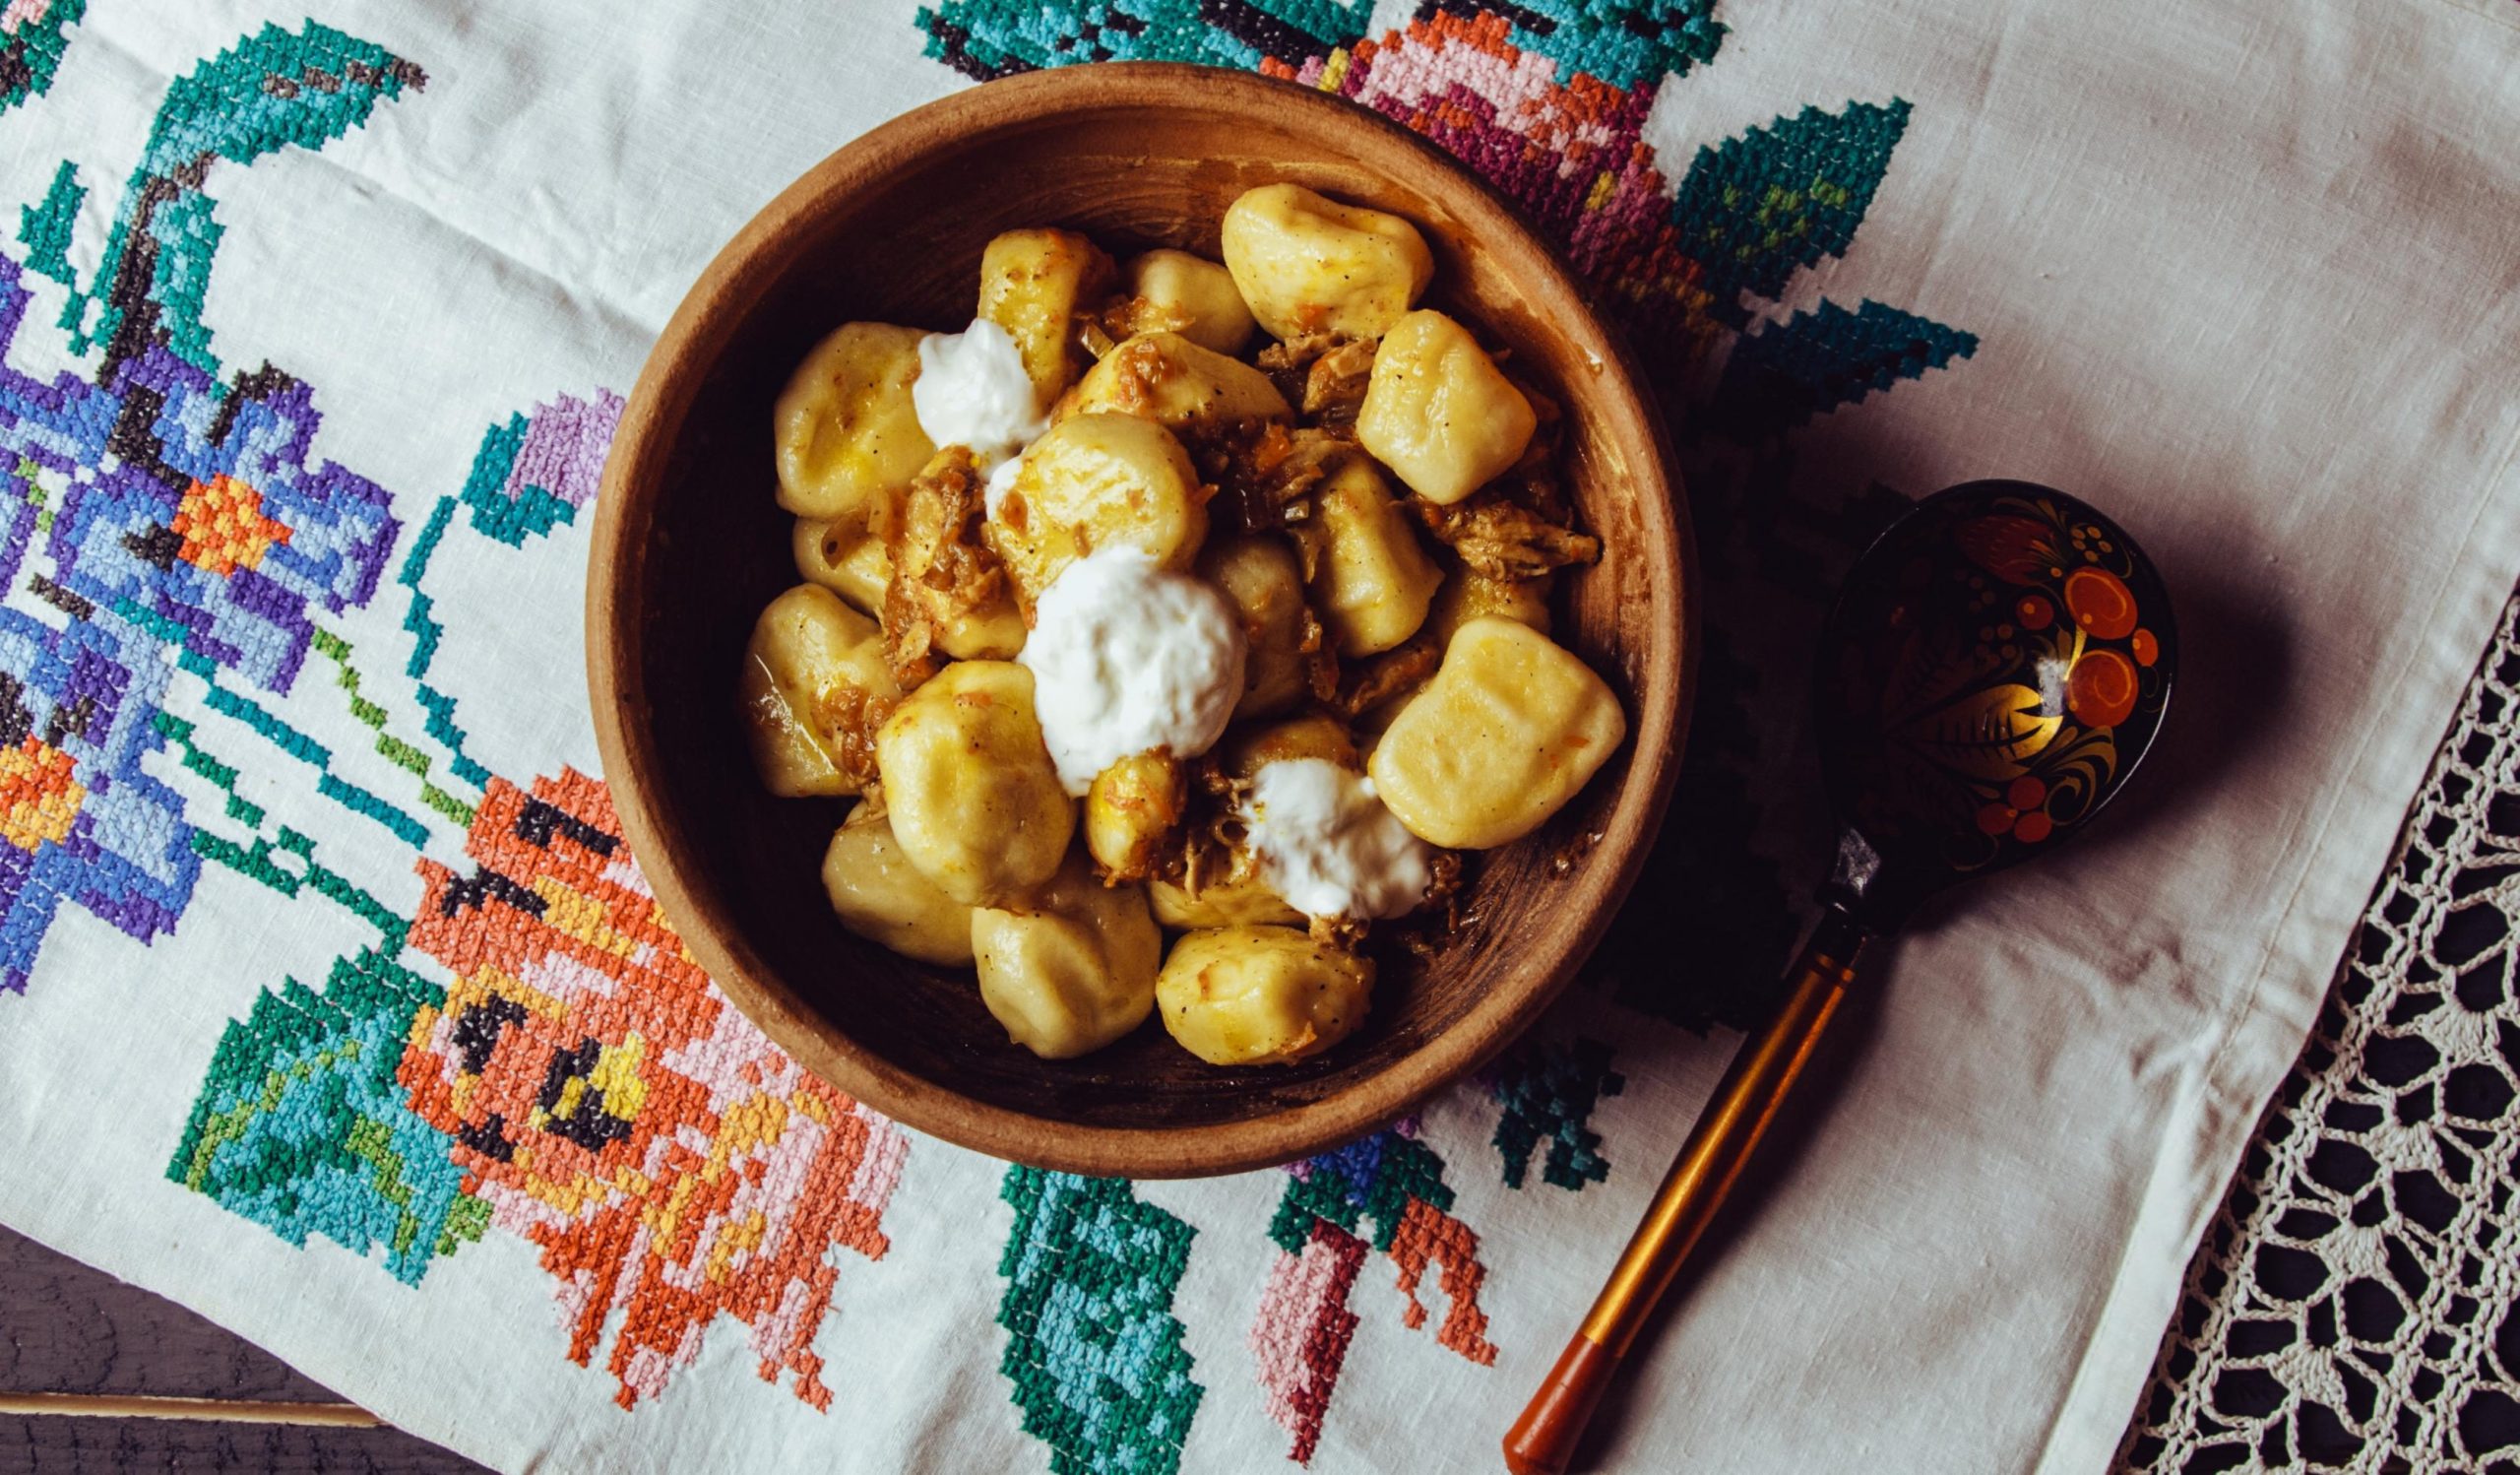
<point>1995,666</point>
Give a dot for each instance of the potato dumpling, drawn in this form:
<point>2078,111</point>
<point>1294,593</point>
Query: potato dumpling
<point>848,439</point>
<point>1169,379</point>
<point>1130,810</point>
<point>1507,731</point>
<point>1071,967</point>
<point>1439,412</point>
<point>949,596</point>
<point>1260,575</point>
<point>1313,737</point>
<point>1261,995</point>
<point>1233,897</point>
<point>814,690</point>
<point>975,804</point>
<point>1469,594</point>
<point>1032,283</point>
<point>1306,264</point>
<point>1370,577</point>
<point>844,556</point>
<point>882,897</point>
<point>1092,482</point>
<point>1195,293</point>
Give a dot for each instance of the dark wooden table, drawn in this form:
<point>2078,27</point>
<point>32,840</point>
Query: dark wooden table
<point>82,1356</point>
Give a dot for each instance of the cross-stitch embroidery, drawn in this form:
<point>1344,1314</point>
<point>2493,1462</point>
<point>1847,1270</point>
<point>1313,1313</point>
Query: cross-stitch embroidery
<point>1393,1183</point>
<point>533,1050</point>
<point>37,32</point>
<point>1093,1351</point>
<point>1547,1090</point>
<point>178,522</point>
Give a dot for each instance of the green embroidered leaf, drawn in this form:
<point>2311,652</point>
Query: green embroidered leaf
<point>1094,1354</point>
<point>1372,1179</point>
<point>32,53</point>
<point>1549,1091</point>
<point>1784,373</point>
<point>46,228</point>
<point>271,88</point>
<point>1778,199</point>
<point>301,1127</point>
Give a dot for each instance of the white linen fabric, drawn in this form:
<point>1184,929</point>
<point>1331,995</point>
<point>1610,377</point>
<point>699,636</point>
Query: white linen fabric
<point>330,1003</point>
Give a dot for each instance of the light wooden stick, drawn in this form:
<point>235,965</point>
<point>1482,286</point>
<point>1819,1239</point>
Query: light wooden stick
<point>211,1410</point>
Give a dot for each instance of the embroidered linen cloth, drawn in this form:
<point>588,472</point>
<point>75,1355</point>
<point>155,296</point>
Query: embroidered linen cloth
<point>333,1006</point>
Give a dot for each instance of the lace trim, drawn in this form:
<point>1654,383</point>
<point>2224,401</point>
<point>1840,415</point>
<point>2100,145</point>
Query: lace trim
<point>2356,1304</point>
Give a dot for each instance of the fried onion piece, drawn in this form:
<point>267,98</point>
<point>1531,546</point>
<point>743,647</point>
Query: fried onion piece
<point>1208,841</point>
<point>948,587</point>
<point>1121,318</point>
<point>852,714</point>
<point>1340,934</point>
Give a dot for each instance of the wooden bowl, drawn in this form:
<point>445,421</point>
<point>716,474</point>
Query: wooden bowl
<point>688,547</point>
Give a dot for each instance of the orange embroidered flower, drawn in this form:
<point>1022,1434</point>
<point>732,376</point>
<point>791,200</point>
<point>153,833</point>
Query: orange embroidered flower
<point>39,799</point>
<point>222,526</point>
<point>610,1104</point>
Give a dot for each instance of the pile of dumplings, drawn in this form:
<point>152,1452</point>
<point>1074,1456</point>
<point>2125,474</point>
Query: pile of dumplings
<point>1370,495</point>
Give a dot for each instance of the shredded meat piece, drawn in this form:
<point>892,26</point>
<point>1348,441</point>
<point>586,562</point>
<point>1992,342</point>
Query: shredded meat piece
<point>1320,656</point>
<point>1440,914</point>
<point>1296,352</point>
<point>942,570</point>
<point>1208,846</point>
<point>1264,471</point>
<point>1386,675</point>
<point>1335,388</point>
<point>1497,535</point>
<point>1293,363</point>
<point>1342,934</point>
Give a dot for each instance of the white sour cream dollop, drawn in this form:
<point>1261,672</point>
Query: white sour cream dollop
<point>972,391</point>
<point>1325,843</point>
<point>1127,659</point>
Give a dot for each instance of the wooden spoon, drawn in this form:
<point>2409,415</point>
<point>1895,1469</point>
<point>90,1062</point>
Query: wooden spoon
<point>1995,666</point>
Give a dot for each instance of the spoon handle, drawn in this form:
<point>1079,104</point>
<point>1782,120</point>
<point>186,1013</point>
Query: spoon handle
<point>1543,1440</point>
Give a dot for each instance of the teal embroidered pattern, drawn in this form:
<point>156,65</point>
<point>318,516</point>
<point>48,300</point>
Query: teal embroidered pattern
<point>1784,373</point>
<point>1547,1090</point>
<point>1757,209</point>
<point>37,32</point>
<point>46,228</point>
<point>303,1130</point>
<point>1094,1354</point>
<point>179,523</point>
<point>273,88</point>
